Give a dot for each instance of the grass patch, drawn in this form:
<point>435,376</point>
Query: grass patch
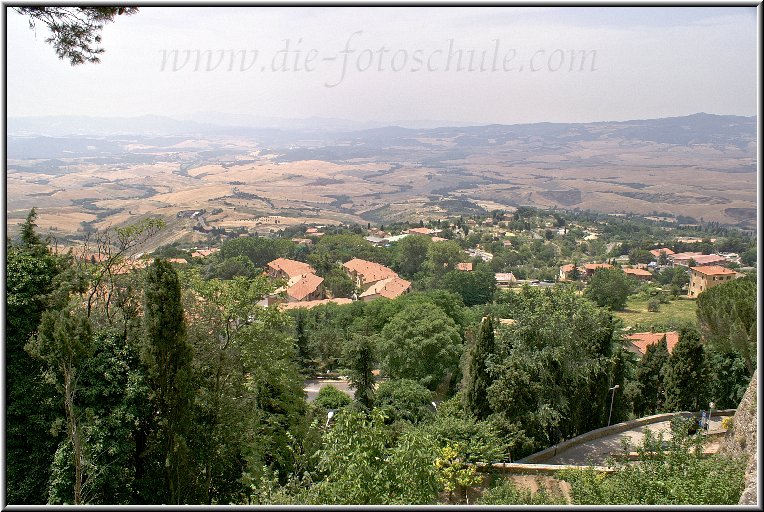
<point>677,312</point>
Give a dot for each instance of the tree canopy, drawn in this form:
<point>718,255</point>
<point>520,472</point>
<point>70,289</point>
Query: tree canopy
<point>75,32</point>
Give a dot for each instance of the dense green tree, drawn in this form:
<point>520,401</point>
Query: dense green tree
<point>610,288</point>
<point>405,400</point>
<point>325,344</point>
<point>442,257</point>
<point>727,318</point>
<point>339,283</point>
<point>476,287</point>
<point>685,378</point>
<point>259,250</point>
<point>65,342</point>
<point>232,267</point>
<point>113,396</point>
<point>359,356</point>
<point>385,470</point>
<point>167,356</point>
<point>477,379</point>
<point>29,237</point>
<point>549,367</point>
<point>640,256</point>
<point>333,249</point>
<point>30,399</point>
<point>728,378</point>
<point>301,340</point>
<point>410,254</point>
<point>421,344</point>
<point>749,257</point>
<point>649,377</point>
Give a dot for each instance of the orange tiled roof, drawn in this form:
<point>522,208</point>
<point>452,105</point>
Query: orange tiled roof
<point>657,252</point>
<point>391,288</point>
<point>201,253</point>
<point>301,286</point>
<point>291,268</point>
<point>464,266</point>
<point>313,303</point>
<point>713,270</point>
<point>595,266</point>
<point>685,255</point>
<point>637,271</point>
<point>641,340</point>
<point>567,268</point>
<point>421,231</point>
<point>708,259</point>
<point>368,270</point>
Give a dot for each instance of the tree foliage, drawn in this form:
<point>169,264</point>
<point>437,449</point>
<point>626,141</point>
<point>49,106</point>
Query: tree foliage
<point>74,31</point>
<point>421,344</point>
<point>476,377</point>
<point>727,318</point>
<point>609,288</point>
<point>552,368</point>
<point>685,376</point>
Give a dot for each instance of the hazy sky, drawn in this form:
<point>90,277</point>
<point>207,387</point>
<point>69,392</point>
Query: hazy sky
<point>392,63</point>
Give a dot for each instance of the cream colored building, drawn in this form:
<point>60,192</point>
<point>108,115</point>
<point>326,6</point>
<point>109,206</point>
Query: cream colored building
<point>703,278</point>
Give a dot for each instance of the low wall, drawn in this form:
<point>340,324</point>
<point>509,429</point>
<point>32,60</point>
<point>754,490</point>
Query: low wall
<point>612,429</point>
<point>535,469</point>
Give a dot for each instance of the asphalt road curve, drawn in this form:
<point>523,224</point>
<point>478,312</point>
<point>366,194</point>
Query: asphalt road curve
<point>597,451</point>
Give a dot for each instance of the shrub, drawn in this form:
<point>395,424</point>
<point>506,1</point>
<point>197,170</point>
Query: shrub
<point>330,397</point>
<point>507,493</point>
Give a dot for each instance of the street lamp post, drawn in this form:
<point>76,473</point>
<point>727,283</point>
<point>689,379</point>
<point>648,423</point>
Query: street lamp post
<point>711,406</point>
<point>612,397</point>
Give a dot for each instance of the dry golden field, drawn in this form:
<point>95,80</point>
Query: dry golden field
<point>396,177</point>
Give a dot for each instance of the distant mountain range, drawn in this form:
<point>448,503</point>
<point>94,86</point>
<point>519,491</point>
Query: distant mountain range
<point>203,123</point>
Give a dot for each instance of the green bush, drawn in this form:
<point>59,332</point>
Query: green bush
<point>330,397</point>
<point>507,493</point>
<point>404,399</point>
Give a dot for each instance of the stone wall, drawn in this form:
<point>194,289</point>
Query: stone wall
<point>740,440</point>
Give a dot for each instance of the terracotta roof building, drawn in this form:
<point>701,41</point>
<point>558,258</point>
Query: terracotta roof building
<point>466,267</point>
<point>203,253</point>
<point>389,288</point>
<point>565,271</point>
<point>423,231</point>
<point>505,279</point>
<point>683,258</point>
<point>639,341</point>
<point>304,287</point>
<point>366,273</point>
<point>703,278</point>
<point>286,268</point>
<point>638,273</point>
<point>308,304</point>
<point>657,252</point>
<point>589,268</point>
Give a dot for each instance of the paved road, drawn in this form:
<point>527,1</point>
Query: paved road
<point>312,386</point>
<point>597,450</point>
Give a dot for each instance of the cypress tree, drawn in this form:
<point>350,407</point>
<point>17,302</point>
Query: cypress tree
<point>359,358</point>
<point>649,377</point>
<point>168,359</point>
<point>685,376</point>
<point>476,377</point>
